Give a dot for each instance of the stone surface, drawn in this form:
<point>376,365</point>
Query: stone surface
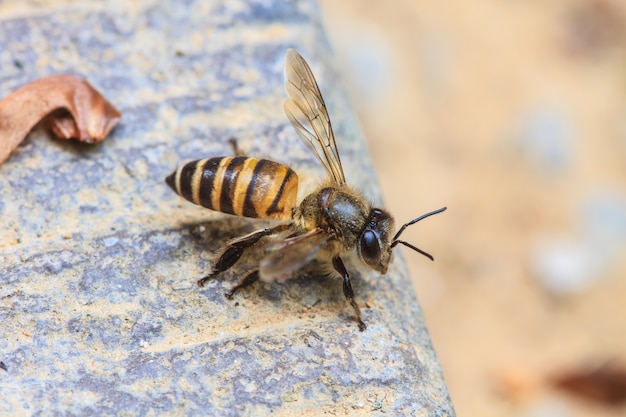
<point>99,311</point>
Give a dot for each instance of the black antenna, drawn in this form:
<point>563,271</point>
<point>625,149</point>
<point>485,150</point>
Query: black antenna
<point>395,239</point>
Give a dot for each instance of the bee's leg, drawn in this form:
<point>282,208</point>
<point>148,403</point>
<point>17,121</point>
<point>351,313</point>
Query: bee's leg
<point>347,290</point>
<point>236,150</point>
<point>249,279</point>
<point>235,249</point>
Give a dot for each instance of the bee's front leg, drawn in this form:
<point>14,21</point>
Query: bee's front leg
<point>347,290</point>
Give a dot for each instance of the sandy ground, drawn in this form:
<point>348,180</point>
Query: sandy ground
<point>513,115</point>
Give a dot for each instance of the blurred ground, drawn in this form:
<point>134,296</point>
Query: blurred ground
<point>513,114</point>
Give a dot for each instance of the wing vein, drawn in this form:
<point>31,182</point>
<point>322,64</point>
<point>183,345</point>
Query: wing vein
<point>307,112</point>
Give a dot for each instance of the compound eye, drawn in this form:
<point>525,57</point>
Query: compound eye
<point>370,248</point>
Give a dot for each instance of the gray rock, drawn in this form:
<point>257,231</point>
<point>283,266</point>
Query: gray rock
<point>99,312</point>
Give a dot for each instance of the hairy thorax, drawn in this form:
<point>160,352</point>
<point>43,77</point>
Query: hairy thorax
<point>340,210</point>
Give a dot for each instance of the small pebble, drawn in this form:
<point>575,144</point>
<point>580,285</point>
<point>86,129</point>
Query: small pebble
<point>565,267</point>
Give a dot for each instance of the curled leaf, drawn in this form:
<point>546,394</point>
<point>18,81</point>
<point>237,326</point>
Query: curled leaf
<point>595,25</point>
<point>71,106</point>
<point>606,384</point>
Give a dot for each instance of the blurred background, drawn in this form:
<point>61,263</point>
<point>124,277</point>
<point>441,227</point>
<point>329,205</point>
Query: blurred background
<point>513,114</point>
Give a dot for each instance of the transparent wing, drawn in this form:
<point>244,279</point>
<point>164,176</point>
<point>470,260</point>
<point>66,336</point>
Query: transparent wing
<point>289,255</point>
<point>307,112</point>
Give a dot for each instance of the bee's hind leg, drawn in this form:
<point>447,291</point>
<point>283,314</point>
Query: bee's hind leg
<point>235,145</point>
<point>347,290</point>
<point>249,279</point>
<point>235,249</point>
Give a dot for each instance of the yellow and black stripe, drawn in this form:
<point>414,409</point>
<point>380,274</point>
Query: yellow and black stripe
<point>243,186</point>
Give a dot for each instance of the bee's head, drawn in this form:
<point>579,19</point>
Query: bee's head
<point>375,244</point>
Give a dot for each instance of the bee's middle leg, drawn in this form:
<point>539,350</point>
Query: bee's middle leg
<point>347,290</point>
<point>249,279</point>
<point>235,249</point>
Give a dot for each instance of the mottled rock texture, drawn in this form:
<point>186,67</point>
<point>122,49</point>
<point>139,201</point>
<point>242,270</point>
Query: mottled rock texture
<point>99,310</point>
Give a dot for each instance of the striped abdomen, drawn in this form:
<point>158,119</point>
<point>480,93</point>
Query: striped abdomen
<point>242,186</point>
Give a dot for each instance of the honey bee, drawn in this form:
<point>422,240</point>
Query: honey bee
<point>332,222</point>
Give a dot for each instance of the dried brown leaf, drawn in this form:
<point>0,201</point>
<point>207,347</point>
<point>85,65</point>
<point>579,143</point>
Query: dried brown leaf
<point>606,384</point>
<point>595,25</point>
<point>71,106</point>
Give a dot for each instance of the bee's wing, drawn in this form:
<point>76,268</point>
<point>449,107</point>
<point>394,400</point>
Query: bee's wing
<point>289,255</point>
<point>307,113</point>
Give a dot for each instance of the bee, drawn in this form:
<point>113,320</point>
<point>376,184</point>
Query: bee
<point>332,222</point>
